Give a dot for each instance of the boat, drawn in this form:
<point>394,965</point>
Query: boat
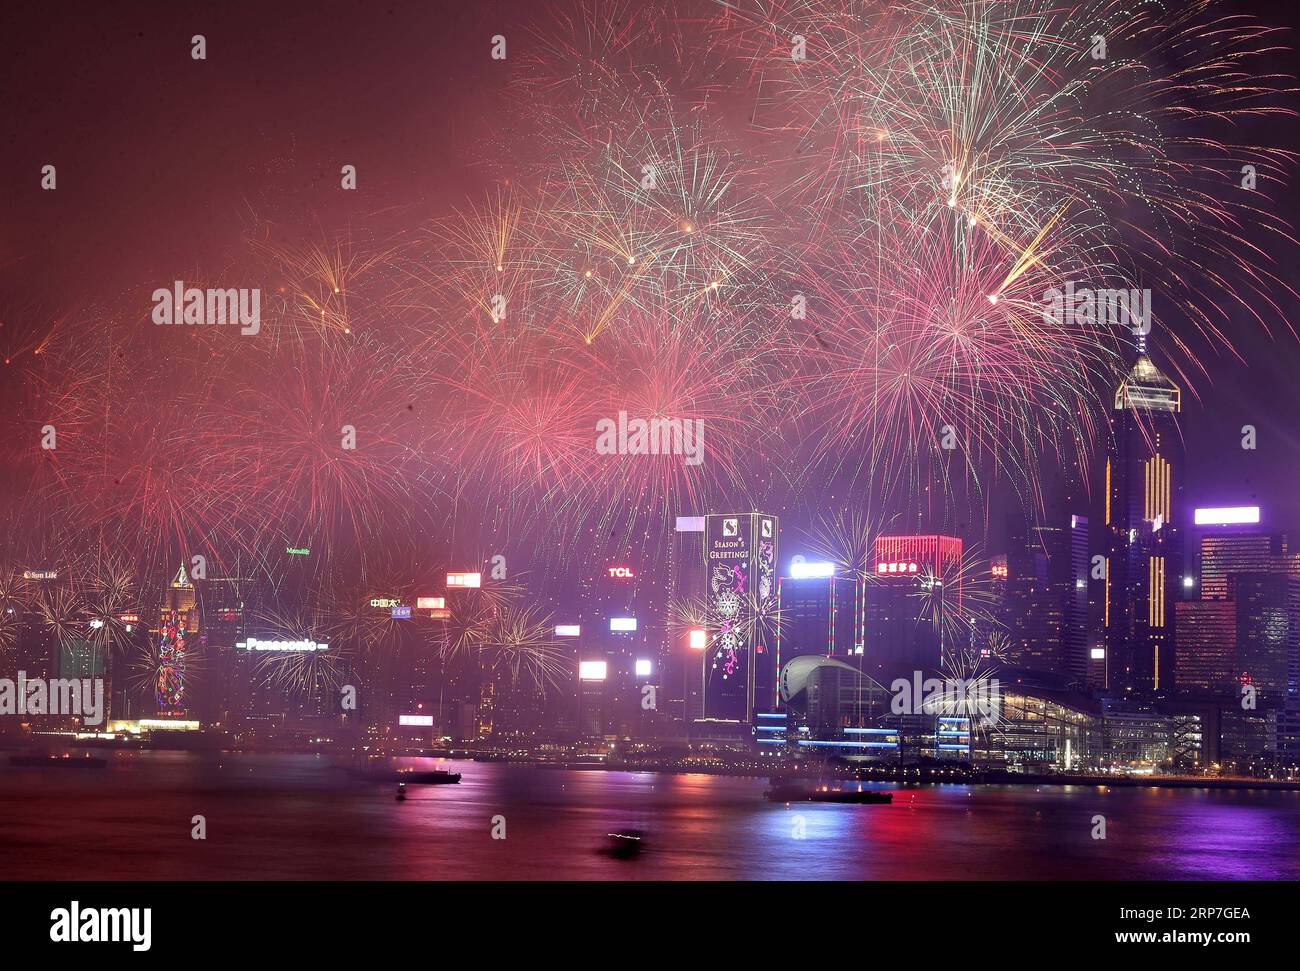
<point>797,793</point>
<point>587,763</point>
<point>401,792</point>
<point>387,773</point>
<point>58,761</point>
<point>625,843</point>
<point>429,777</point>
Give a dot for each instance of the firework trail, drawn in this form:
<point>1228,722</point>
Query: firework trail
<point>299,674</point>
<point>521,642</point>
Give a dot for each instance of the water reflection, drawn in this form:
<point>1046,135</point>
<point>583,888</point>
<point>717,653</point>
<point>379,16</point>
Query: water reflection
<point>290,817</point>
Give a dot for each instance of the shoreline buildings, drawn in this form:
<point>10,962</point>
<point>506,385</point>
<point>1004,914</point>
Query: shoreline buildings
<point>1110,646</point>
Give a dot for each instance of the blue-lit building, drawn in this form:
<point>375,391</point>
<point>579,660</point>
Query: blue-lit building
<point>820,614</point>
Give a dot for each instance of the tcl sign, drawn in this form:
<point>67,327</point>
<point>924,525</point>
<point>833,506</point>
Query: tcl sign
<point>621,572</point>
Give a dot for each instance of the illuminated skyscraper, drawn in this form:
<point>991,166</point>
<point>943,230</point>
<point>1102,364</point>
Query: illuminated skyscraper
<point>175,638</point>
<point>1243,628</point>
<point>686,559</point>
<point>620,619</point>
<point>224,601</point>
<point>916,583</point>
<point>1247,551</point>
<point>1045,597</point>
<point>818,614</point>
<point>1268,634</point>
<point>35,647</point>
<point>591,698</point>
<point>1143,549</point>
<point>740,577</point>
<point>682,678</point>
<point>1207,646</point>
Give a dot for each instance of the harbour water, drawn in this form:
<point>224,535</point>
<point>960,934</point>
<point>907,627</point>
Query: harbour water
<point>298,817</point>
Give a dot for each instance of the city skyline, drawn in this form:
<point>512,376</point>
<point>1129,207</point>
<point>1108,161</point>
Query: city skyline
<point>1015,618</point>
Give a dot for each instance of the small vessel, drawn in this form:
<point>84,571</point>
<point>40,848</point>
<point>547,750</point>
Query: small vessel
<point>797,793</point>
<point>430,777</point>
<point>401,792</point>
<point>586,763</point>
<point>387,773</point>
<point>58,761</point>
<point>625,843</point>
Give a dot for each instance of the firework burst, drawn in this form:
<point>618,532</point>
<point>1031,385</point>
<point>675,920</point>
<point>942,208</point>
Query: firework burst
<point>521,642</point>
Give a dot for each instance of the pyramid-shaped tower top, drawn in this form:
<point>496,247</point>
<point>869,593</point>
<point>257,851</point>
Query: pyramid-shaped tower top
<point>182,578</point>
<point>1145,388</point>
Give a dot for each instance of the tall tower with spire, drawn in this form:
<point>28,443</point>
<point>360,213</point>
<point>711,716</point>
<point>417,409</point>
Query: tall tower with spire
<point>1142,515</point>
<point>177,627</point>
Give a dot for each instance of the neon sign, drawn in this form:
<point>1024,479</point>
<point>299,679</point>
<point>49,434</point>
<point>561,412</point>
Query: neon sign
<point>253,644</point>
<point>1227,516</point>
<point>801,569</point>
<point>896,568</point>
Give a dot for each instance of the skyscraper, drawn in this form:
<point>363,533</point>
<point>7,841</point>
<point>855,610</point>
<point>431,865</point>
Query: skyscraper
<point>1268,633</point>
<point>917,581</point>
<point>1077,613</point>
<point>619,627</point>
<point>178,627</point>
<point>225,602</point>
<point>1207,646</point>
<point>818,612</point>
<point>1143,549</point>
<point>1221,642</point>
<point>740,661</point>
<point>1045,597</point>
<point>36,649</point>
<point>682,679</point>
<point>1244,551</point>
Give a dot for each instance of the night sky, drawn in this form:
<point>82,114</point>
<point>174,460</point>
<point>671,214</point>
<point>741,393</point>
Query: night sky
<point>165,165</point>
